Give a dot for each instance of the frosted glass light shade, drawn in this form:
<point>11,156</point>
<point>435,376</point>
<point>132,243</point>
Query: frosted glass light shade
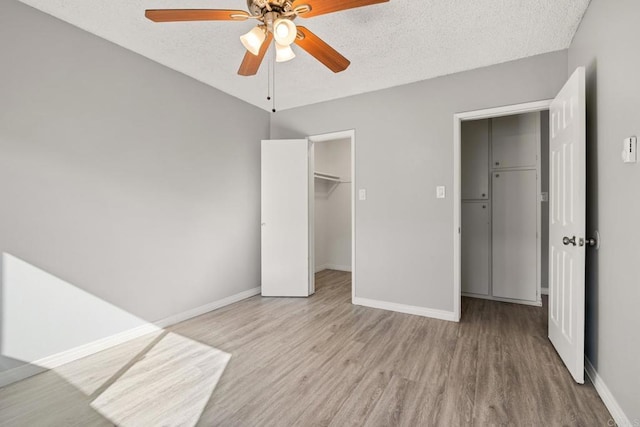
<point>284,31</point>
<point>284,53</point>
<point>253,40</point>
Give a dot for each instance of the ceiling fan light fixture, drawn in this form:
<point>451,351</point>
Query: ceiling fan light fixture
<point>284,31</point>
<point>253,40</point>
<point>284,53</point>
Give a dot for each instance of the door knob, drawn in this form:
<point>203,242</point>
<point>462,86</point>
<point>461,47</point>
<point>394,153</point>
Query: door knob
<point>566,241</point>
<point>593,242</point>
<point>589,241</point>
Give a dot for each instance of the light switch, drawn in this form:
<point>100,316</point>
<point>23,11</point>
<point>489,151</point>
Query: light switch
<point>441,192</point>
<point>362,194</point>
<point>630,150</point>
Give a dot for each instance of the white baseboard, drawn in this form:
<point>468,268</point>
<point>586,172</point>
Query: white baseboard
<point>195,312</point>
<point>59,359</point>
<point>333,267</point>
<point>605,394</point>
<point>75,353</point>
<point>407,309</point>
<point>509,300</point>
<point>544,291</point>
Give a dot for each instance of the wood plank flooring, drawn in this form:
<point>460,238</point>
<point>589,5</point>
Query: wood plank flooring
<point>321,361</point>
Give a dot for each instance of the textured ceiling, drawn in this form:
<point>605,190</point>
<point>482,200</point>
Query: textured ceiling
<point>389,44</point>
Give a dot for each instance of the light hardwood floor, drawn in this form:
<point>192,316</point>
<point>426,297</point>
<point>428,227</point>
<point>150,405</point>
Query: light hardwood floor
<point>324,361</point>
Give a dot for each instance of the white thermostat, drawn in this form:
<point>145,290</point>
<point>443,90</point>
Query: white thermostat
<point>630,150</point>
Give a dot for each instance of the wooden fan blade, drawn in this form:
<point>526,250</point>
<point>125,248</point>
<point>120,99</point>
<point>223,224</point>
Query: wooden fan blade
<point>321,7</point>
<point>251,63</point>
<point>324,53</point>
<point>175,15</point>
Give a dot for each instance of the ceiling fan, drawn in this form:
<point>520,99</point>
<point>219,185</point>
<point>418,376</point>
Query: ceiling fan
<point>275,21</point>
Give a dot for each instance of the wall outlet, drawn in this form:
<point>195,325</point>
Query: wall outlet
<point>362,194</point>
<point>441,192</point>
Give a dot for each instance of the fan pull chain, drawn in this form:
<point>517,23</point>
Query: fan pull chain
<point>269,80</point>
<point>273,84</point>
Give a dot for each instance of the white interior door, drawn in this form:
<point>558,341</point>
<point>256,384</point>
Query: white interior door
<point>567,223</point>
<point>285,218</point>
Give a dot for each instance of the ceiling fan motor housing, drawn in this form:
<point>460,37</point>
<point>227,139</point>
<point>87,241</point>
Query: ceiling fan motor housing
<point>261,7</point>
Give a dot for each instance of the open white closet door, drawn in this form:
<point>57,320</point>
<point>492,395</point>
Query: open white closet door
<point>567,223</point>
<point>285,218</point>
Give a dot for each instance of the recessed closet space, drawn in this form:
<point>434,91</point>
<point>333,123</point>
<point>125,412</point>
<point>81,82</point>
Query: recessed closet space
<point>332,212</point>
<point>504,208</point>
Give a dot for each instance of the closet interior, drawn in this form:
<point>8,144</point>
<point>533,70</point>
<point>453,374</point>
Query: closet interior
<point>504,208</point>
<point>332,211</point>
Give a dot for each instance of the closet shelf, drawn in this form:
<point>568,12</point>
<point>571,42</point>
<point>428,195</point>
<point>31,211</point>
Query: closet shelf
<point>329,177</point>
<point>326,176</point>
<point>331,182</point>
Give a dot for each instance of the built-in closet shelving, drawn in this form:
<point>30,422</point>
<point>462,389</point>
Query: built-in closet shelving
<point>327,183</point>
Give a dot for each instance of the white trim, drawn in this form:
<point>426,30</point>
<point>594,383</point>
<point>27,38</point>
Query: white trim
<point>609,401</point>
<point>332,137</point>
<point>457,217</point>
<point>544,290</point>
<point>333,267</point>
<point>311,216</point>
<point>507,110</point>
<point>407,309</point>
<point>59,359</point>
<point>195,312</point>
<point>509,300</point>
<point>93,347</point>
<point>539,208</point>
<point>458,118</point>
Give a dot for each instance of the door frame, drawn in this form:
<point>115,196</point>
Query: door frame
<point>458,118</point>
<point>346,134</point>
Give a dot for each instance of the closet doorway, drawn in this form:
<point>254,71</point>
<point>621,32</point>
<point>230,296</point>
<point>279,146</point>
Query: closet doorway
<point>504,207</point>
<point>500,203</point>
<point>289,178</point>
<point>332,214</point>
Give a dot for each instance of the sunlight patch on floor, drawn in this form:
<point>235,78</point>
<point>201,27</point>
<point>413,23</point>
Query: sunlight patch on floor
<point>90,373</point>
<point>170,385</point>
<point>159,378</point>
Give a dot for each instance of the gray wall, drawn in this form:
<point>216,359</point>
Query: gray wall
<point>607,43</point>
<point>121,177</point>
<point>404,149</point>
